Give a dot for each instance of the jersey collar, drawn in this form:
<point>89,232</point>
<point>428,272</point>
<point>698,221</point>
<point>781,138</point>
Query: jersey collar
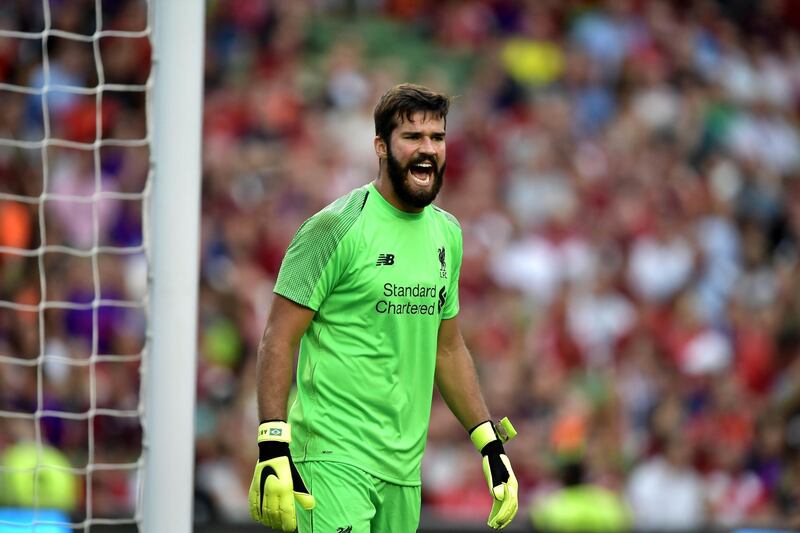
<point>384,205</point>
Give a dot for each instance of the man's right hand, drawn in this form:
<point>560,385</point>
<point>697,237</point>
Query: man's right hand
<point>276,481</point>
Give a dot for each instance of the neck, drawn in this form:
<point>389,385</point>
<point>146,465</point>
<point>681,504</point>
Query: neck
<point>384,186</point>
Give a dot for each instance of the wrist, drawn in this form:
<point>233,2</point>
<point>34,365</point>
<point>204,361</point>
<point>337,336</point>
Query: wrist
<point>274,437</point>
<point>488,438</point>
<point>274,431</point>
<point>482,435</point>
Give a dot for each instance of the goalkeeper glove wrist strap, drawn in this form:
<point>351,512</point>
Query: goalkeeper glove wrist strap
<point>274,437</point>
<point>483,435</point>
<point>275,431</point>
<point>485,432</point>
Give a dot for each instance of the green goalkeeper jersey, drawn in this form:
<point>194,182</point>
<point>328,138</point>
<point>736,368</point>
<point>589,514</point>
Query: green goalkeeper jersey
<point>381,280</point>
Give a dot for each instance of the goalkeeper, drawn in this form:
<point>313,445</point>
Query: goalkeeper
<point>368,289</point>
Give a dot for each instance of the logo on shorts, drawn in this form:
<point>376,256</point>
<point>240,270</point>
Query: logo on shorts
<point>385,260</point>
<point>347,529</point>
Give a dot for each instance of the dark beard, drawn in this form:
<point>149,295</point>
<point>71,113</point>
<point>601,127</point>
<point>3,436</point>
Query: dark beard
<point>397,175</point>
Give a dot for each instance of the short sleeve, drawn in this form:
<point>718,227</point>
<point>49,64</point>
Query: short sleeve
<point>316,259</point>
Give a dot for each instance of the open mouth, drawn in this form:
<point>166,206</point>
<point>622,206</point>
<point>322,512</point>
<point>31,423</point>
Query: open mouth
<point>422,173</point>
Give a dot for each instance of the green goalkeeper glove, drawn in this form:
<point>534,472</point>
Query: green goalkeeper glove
<point>276,481</point>
<point>497,468</point>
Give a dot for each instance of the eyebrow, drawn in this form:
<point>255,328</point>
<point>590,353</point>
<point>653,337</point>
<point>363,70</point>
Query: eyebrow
<point>440,133</point>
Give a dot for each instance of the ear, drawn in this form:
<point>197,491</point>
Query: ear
<point>380,147</point>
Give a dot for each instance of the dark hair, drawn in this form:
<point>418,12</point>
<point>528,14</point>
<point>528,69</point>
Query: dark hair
<point>402,101</point>
<point>572,473</point>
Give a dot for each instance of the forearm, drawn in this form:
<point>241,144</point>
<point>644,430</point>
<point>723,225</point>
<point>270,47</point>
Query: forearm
<point>274,369</point>
<point>458,384</point>
<point>457,381</point>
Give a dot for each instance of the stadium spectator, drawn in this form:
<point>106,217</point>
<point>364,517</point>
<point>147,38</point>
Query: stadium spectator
<point>580,506</point>
<point>665,492</point>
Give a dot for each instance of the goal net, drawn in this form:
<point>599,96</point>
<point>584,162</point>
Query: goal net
<point>79,177</point>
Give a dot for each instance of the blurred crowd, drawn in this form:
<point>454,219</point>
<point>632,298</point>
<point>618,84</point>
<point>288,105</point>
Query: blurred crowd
<point>62,350</point>
<point>627,178</point>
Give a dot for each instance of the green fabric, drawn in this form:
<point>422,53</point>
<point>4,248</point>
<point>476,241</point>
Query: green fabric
<point>380,280</point>
<point>51,487</point>
<point>347,496</point>
<point>584,508</point>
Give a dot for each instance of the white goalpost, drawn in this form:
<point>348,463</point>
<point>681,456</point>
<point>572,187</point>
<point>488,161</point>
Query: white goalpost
<point>175,210</point>
<point>41,357</point>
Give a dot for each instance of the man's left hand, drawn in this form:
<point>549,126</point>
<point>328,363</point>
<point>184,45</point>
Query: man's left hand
<point>500,477</point>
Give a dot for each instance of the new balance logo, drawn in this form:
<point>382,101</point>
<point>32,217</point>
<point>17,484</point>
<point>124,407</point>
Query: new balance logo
<point>347,529</point>
<point>385,260</point>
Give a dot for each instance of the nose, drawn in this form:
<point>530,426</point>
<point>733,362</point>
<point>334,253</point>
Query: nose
<point>427,147</point>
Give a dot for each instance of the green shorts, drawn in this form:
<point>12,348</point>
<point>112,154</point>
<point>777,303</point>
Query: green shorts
<point>349,500</point>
